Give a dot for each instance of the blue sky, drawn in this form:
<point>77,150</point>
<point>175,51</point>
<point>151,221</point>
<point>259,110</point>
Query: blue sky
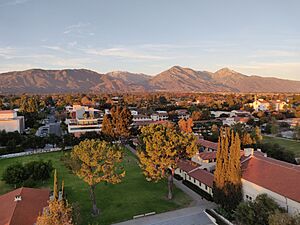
<point>251,36</point>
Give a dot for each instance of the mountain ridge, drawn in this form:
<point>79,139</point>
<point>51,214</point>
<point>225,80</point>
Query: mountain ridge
<point>174,79</point>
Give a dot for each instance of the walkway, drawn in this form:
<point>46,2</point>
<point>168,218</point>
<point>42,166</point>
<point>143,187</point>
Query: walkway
<point>186,216</point>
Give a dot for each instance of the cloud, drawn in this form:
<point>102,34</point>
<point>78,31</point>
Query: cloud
<point>122,52</point>
<point>13,2</point>
<point>274,53</point>
<point>78,28</point>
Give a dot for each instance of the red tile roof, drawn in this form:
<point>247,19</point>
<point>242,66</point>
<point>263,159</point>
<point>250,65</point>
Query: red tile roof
<point>6,111</point>
<point>280,177</point>
<point>203,176</point>
<point>25,211</point>
<point>208,155</point>
<point>208,144</point>
<point>186,165</point>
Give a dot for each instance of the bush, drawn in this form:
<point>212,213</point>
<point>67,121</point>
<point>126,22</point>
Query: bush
<point>178,177</point>
<point>27,175</point>
<point>198,190</point>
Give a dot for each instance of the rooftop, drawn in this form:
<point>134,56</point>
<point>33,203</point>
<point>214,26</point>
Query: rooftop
<point>280,177</point>
<point>26,210</point>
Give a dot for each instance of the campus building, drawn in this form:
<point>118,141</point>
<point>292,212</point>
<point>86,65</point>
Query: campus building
<point>10,121</point>
<point>23,206</point>
<point>83,119</point>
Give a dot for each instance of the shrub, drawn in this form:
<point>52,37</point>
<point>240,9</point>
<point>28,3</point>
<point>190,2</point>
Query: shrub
<point>28,174</point>
<point>198,190</point>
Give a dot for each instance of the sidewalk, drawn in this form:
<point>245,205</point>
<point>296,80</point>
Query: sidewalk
<point>186,216</point>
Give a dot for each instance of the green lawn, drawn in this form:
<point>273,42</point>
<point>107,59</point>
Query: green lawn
<point>291,145</point>
<point>117,202</point>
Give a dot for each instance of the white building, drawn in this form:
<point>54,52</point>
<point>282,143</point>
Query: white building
<point>84,119</point>
<point>279,105</point>
<point>10,121</point>
<point>279,180</point>
<point>260,105</point>
<point>159,115</point>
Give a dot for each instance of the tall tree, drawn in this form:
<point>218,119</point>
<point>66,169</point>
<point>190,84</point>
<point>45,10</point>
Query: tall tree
<point>58,211</point>
<point>98,162</point>
<point>164,147</point>
<point>117,124</point>
<point>227,177</point>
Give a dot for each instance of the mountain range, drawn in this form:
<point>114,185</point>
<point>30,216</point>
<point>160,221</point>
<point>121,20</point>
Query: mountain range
<point>175,79</point>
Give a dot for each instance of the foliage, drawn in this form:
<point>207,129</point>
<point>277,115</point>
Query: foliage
<point>197,190</point>
<point>276,151</point>
<point>17,174</point>
<point>227,186</point>
<point>117,124</point>
<point>256,212</point>
<point>283,218</point>
<point>186,125</point>
<point>164,147</point>
<point>98,162</point>
<point>58,211</point>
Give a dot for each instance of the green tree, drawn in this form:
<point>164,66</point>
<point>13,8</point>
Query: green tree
<point>283,218</point>
<point>164,147</point>
<point>256,212</point>
<point>98,162</point>
<point>14,175</point>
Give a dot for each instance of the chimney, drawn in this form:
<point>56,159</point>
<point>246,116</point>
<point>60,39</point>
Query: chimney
<point>248,151</point>
<point>18,198</point>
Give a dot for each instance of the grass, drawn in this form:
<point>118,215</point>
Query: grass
<point>119,202</point>
<point>290,145</point>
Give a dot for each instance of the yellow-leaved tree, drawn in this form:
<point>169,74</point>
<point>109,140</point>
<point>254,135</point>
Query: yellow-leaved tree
<point>164,147</point>
<point>59,211</point>
<point>186,125</point>
<point>97,161</point>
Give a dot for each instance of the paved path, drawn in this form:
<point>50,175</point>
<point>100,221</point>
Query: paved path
<point>186,216</point>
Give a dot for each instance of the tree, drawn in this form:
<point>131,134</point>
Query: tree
<point>283,218</point>
<point>98,162</point>
<point>59,211</point>
<point>117,124</point>
<point>164,147</point>
<point>256,212</point>
<point>14,175</point>
<point>227,186</point>
<point>186,125</point>
<point>196,115</point>
<point>297,132</point>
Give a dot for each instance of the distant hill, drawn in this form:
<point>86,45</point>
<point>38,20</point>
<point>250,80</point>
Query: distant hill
<point>175,79</point>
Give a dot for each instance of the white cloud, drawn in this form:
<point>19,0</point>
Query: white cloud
<point>13,2</point>
<point>274,53</point>
<point>122,52</point>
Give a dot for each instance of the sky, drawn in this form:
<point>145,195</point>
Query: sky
<point>254,37</point>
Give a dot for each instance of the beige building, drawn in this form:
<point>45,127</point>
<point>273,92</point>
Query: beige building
<point>10,121</point>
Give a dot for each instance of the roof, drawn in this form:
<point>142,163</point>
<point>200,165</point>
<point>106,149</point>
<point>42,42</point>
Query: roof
<point>208,155</point>
<point>186,165</point>
<point>203,176</point>
<point>26,211</point>
<point>277,176</point>
<point>6,111</point>
<point>208,144</point>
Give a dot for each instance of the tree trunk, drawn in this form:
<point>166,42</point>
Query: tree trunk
<point>170,186</point>
<point>95,210</point>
